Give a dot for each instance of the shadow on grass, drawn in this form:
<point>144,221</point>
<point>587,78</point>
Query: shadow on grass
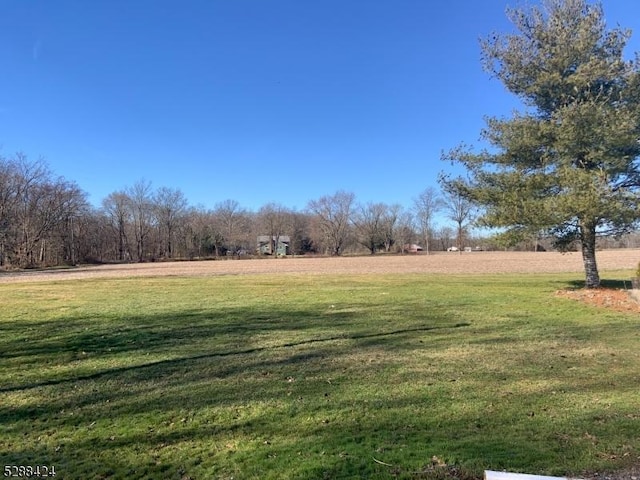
<point>285,359</point>
<point>300,393</point>
<point>604,283</point>
<point>177,361</point>
<point>336,438</point>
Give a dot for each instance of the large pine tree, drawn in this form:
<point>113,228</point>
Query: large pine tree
<point>568,163</point>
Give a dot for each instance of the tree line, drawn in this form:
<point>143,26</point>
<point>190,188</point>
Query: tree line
<point>46,220</point>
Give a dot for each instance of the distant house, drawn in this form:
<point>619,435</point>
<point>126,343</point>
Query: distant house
<point>266,243</point>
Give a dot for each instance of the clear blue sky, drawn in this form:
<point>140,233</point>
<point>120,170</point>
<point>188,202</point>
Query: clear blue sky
<point>253,100</point>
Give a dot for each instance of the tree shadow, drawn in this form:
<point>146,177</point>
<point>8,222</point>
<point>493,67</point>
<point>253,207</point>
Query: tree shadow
<point>290,390</point>
<point>217,361</point>
<point>170,363</point>
<point>617,284</point>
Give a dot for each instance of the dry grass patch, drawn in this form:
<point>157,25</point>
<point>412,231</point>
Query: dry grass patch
<point>441,262</point>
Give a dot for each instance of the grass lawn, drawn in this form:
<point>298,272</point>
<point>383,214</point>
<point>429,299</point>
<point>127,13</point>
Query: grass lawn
<point>285,376</point>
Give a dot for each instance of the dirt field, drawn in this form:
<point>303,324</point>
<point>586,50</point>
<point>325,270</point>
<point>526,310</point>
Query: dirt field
<point>455,263</point>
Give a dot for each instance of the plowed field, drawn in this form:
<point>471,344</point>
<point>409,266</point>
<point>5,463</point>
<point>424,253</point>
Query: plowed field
<point>454,263</point>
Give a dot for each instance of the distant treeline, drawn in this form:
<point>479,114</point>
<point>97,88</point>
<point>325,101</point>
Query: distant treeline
<point>46,220</point>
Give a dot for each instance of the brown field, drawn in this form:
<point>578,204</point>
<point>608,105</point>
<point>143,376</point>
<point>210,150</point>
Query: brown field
<point>454,263</point>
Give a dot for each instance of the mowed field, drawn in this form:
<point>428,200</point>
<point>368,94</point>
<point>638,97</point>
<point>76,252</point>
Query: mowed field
<point>441,262</point>
<point>388,367</point>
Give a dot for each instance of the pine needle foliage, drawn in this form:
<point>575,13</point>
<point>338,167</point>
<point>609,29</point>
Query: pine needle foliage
<point>567,165</point>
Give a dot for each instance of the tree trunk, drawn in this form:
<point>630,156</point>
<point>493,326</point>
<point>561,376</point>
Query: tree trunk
<point>588,241</point>
<point>169,244</point>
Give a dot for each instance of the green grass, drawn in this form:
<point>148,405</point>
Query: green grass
<point>277,377</point>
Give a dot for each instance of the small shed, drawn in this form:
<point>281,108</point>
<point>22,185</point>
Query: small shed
<point>266,244</point>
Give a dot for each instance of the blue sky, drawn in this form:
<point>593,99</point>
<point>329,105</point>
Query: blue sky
<point>253,100</point>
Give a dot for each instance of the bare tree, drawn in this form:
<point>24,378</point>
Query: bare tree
<point>94,238</point>
<point>71,207</point>
<point>389,225</point>
<point>202,238</point>
<point>461,210</point>
<point>9,187</point>
<point>404,232</point>
<point>29,178</point>
<point>333,214</point>
<point>368,220</point>
<point>233,223</point>
<point>376,225</point>
<point>141,207</point>
<point>301,241</point>
<point>36,213</point>
<point>170,206</point>
<point>116,208</point>
<point>426,205</point>
<point>41,204</point>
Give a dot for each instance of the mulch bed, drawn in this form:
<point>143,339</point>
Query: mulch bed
<point>614,299</point>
